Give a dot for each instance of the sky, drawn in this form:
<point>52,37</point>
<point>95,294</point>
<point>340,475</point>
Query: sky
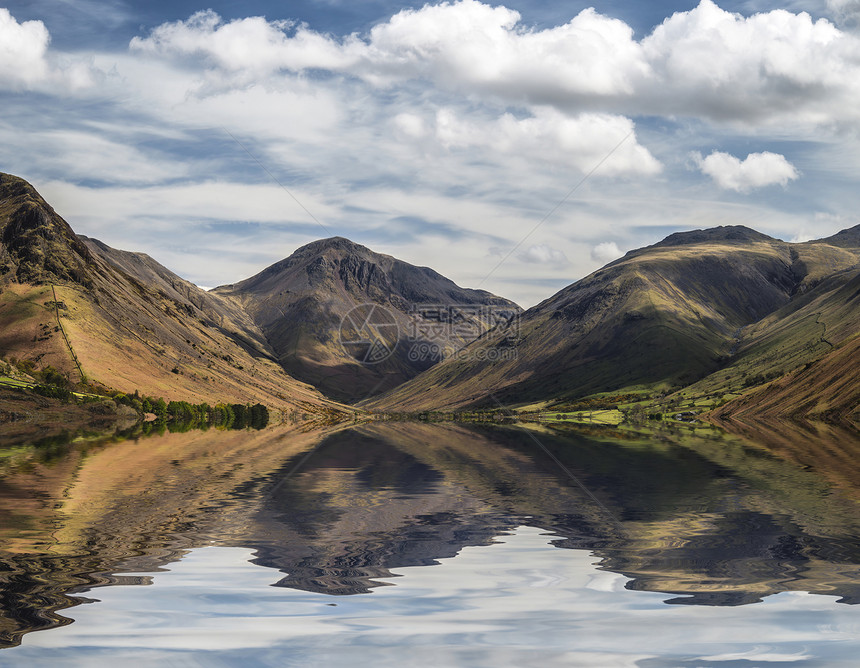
<point>513,147</point>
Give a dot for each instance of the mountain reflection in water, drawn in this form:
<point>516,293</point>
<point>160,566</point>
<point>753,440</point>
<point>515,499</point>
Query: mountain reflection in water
<point>704,518</point>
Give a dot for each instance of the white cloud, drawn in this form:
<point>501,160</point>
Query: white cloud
<point>27,64</point>
<point>215,201</point>
<point>606,251</point>
<point>89,155</point>
<point>457,114</point>
<point>469,44</point>
<point>757,170</point>
<point>410,125</point>
<point>265,53</point>
<point>548,135</point>
<point>766,67</point>
<point>543,254</point>
<point>250,44</point>
<point>770,67</point>
<point>23,47</point>
<point>824,225</point>
<point>462,44</point>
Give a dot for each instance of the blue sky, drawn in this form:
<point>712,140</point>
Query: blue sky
<point>219,137</point>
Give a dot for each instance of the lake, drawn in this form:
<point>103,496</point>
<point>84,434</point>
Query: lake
<point>412,544</point>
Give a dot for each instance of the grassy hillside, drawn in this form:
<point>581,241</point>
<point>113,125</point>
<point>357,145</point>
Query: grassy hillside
<point>828,388</point>
<point>119,320</point>
<point>720,310</point>
<point>804,349</point>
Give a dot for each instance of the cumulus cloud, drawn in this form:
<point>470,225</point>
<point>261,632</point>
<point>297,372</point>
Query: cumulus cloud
<point>703,62</point>
<point>606,251</point>
<point>459,113</point>
<point>543,254</point>
<point>757,170</point>
<point>770,65</point>
<point>469,44</point>
<point>250,44</point>
<point>845,12</point>
<point>23,47</point>
<point>461,44</point>
<point>549,135</point>
<point>26,62</point>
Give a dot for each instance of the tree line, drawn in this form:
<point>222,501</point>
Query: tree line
<point>179,415</point>
<point>226,416</point>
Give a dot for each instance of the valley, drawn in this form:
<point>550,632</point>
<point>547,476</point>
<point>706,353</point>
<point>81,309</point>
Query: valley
<point>724,324</point>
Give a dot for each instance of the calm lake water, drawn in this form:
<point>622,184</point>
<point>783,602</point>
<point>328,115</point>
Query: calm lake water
<point>433,545</point>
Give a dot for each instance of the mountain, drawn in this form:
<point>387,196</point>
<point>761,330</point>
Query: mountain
<point>354,323</point>
<point>661,317</point>
<point>335,314</point>
<point>36,245</point>
<point>756,325</point>
<point>187,296</point>
<point>849,238</point>
<point>723,233</point>
<point>123,321</point>
<point>808,353</point>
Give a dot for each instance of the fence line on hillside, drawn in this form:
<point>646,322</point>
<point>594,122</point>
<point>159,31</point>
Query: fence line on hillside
<point>65,336</point>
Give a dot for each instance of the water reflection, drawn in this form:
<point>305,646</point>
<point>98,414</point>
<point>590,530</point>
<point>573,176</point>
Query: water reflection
<point>516,603</point>
<point>713,521</point>
<point>704,518</point>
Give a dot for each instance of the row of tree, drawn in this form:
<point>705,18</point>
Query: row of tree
<point>179,414</point>
<point>226,416</point>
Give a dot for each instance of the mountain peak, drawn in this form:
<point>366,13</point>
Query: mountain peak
<point>725,233</point>
<point>12,186</point>
<point>307,306</point>
<point>333,244</point>
<point>847,238</point>
<point>36,244</point>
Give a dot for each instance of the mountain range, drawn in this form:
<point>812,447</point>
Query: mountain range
<point>123,321</point>
<point>759,325</point>
<point>112,319</point>
<point>713,311</point>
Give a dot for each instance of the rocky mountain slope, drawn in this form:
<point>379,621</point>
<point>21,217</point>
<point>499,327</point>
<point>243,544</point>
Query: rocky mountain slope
<point>354,323</point>
<point>347,320</point>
